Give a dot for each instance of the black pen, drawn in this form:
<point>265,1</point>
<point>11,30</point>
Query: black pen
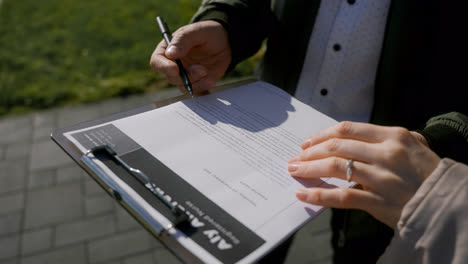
<point>167,37</point>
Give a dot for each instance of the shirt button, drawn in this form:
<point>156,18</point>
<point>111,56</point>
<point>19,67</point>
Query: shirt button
<point>324,92</point>
<point>336,47</point>
<point>351,2</point>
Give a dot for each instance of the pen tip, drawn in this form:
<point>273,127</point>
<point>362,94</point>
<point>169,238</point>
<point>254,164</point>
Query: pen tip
<point>190,90</point>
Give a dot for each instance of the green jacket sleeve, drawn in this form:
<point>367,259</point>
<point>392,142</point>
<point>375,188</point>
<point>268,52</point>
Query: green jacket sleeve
<point>447,135</point>
<point>248,23</point>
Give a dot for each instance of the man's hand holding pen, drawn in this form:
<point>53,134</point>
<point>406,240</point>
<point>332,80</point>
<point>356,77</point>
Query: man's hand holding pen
<point>204,51</point>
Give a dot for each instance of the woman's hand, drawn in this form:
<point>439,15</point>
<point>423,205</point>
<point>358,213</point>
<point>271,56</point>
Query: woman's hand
<point>389,162</point>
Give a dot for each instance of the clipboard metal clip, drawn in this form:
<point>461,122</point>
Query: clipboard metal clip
<point>179,214</point>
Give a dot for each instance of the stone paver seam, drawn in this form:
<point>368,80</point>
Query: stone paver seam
<point>94,217</point>
<point>55,223</point>
<point>2,150</point>
<point>8,193</point>
<point>137,254</point>
<point>55,123</point>
<point>86,251</point>
<point>54,183</point>
<point>83,197</point>
<point>25,190</point>
<point>53,243</point>
<point>55,114</point>
<point>10,258</point>
<point>114,219</point>
<point>53,247</point>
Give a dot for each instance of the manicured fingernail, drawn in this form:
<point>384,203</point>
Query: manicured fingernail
<point>292,167</point>
<point>305,144</point>
<point>301,194</point>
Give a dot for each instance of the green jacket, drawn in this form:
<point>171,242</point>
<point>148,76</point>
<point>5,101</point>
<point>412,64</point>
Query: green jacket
<point>418,79</point>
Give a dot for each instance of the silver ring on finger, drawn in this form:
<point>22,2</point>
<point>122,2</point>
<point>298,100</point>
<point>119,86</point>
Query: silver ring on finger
<point>349,170</point>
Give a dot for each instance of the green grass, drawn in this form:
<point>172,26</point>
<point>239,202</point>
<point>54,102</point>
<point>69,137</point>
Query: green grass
<point>63,52</point>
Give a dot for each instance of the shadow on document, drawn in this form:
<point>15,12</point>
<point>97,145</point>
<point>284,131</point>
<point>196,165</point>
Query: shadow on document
<point>252,108</point>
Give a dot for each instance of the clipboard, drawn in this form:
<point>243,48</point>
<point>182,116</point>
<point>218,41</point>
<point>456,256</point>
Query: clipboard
<point>157,229</point>
<point>236,209</point>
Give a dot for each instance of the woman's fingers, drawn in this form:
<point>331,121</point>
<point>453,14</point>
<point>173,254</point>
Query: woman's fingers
<point>348,130</point>
<point>334,167</point>
<point>387,162</point>
<point>343,148</point>
<point>339,198</point>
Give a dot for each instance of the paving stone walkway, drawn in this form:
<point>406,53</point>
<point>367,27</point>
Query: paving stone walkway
<point>53,212</point>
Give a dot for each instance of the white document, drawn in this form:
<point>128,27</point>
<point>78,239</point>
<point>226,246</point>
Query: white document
<point>233,146</point>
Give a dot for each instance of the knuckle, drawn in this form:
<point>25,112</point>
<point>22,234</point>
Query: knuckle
<point>305,171</point>
<point>174,81</point>
<point>333,165</point>
<point>317,197</point>
<point>180,31</point>
<point>395,151</point>
<point>179,37</point>
<point>154,64</point>
<point>172,70</point>
<point>199,25</point>
<point>397,145</point>
<point>418,137</point>
<point>401,134</point>
<point>344,128</point>
<point>169,69</point>
<point>161,47</point>
<point>332,145</point>
<point>345,198</point>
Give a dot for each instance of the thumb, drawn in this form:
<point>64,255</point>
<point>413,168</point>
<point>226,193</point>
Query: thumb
<point>184,39</point>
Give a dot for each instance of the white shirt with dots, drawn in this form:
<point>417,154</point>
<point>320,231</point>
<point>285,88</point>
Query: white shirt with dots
<point>340,66</point>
